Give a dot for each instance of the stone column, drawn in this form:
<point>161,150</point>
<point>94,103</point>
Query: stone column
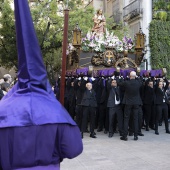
<point>147,18</point>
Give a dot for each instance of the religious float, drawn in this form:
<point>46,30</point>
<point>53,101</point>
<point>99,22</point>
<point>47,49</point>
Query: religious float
<point>101,53</point>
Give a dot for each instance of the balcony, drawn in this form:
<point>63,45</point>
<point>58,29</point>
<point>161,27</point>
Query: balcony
<point>132,11</point>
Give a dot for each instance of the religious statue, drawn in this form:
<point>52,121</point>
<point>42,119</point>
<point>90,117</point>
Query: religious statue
<point>99,23</point>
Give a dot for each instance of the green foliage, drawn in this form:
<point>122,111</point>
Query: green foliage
<point>160,4</point>
<point>48,22</point>
<point>162,15</point>
<point>83,17</point>
<point>8,54</point>
<point>159,41</point>
<point>161,10</point>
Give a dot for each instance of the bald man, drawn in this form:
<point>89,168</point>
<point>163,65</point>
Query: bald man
<point>132,101</point>
<point>89,104</point>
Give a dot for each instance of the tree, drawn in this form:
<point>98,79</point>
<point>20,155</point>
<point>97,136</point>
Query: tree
<point>8,54</point>
<point>48,22</point>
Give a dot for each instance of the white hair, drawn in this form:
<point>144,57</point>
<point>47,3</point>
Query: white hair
<point>7,76</point>
<point>133,74</point>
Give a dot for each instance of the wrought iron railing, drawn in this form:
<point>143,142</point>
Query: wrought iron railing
<point>132,10</point>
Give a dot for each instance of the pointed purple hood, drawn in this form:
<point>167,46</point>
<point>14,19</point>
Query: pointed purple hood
<point>31,101</point>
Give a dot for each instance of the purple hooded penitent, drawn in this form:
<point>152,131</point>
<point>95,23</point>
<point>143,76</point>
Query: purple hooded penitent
<point>35,129</point>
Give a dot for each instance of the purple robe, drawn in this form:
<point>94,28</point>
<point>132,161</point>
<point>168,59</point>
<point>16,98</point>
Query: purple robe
<point>34,146</point>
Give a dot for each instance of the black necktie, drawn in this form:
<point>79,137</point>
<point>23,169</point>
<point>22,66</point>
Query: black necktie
<point>117,96</point>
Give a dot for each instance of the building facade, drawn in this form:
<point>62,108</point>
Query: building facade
<point>138,14</point>
<point>135,14</point>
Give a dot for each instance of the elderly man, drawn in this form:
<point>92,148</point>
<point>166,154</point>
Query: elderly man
<point>89,104</point>
<point>7,83</point>
<point>132,100</point>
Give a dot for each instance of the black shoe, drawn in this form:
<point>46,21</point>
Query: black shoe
<point>110,135</point>
<point>105,132</point>
<point>140,134</point>
<point>87,131</point>
<point>115,131</point>
<point>130,133</point>
<point>153,128</point>
<point>99,130</point>
<point>160,124</point>
<point>92,135</point>
<point>121,134</point>
<point>135,138</point>
<point>167,131</point>
<point>156,132</point>
<point>147,129</point>
<point>123,138</point>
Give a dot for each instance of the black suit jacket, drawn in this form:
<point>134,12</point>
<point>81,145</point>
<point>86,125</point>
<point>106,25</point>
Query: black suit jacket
<point>111,96</point>
<point>80,90</point>
<point>132,91</point>
<point>159,94</point>
<point>89,99</point>
<point>148,95</point>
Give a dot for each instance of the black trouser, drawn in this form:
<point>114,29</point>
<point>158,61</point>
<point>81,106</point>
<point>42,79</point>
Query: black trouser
<point>131,125</point>
<point>79,115</point>
<point>162,109</point>
<point>168,110</point>
<point>107,120</point>
<point>140,119</point>
<point>66,104</point>
<point>88,110</point>
<point>71,111</point>
<point>134,109</point>
<point>102,115</point>
<point>113,113</point>
<point>97,117</point>
<point>149,115</point>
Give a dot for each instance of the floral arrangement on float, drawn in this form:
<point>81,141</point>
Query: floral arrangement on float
<point>108,40</point>
<point>94,43</point>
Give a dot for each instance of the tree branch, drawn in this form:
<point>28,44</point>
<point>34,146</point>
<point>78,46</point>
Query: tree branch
<point>45,34</point>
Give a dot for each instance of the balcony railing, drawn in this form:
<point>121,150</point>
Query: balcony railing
<point>132,10</point>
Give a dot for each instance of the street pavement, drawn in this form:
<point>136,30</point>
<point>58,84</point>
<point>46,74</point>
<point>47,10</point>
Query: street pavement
<point>150,152</point>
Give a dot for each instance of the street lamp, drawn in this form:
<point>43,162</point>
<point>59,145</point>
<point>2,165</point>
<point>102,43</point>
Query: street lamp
<point>77,41</point>
<point>76,36</point>
<point>64,49</point>
<point>140,39</point>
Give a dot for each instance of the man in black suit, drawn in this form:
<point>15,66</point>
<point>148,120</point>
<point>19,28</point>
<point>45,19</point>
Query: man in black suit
<point>114,106</point>
<point>89,104</point>
<point>161,103</point>
<point>72,100</point>
<point>132,101</point>
<point>148,101</point>
<point>80,86</point>
<point>102,106</point>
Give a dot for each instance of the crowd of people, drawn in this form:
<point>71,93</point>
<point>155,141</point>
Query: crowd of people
<point>118,104</point>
